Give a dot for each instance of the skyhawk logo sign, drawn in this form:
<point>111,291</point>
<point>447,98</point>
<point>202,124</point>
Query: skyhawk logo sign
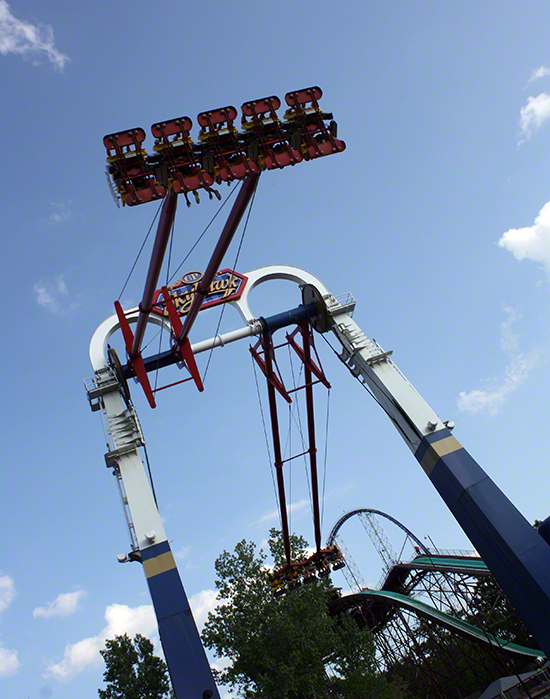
<point>227,285</point>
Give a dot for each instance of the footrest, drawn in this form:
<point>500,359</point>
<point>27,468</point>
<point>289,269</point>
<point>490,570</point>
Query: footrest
<point>221,141</point>
<point>264,127</point>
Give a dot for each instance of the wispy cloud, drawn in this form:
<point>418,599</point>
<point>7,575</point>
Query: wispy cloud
<point>183,552</point>
<point>64,604</point>
<point>30,40</point>
<point>53,296</point>
<point>533,115</point>
<point>62,212</point>
<point>7,592</point>
<point>517,371</point>
<point>531,242</point>
<point>293,507</point>
<point>538,73</point>
<point>120,619</point>
<point>9,662</point>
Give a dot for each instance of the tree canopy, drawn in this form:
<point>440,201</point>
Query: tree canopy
<point>133,671</point>
<point>286,647</point>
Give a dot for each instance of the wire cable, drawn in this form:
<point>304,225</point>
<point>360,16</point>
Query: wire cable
<point>325,459</point>
<point>367,389</point>
<point>289,442</point>
<point>204,232</point>
<point>298,423</point>
<point>265,435</point>
<point>150,475</point>
<point>140,251</point>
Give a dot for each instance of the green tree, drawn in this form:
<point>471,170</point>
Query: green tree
<point>490,609</point>
<point>286,647</point>
<point>132,671</point>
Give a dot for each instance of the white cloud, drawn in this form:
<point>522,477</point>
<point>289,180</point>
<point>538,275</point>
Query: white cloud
<point>517,371</point>
<point>531,242</point>
<point>183,552</point>
<point>538,73</point>
<point>492,399</point>
<point>64,604</point>
<point>533,115</point>
<point>7,592</point>
<point>509,341</point>
<point>9,662</point>
<point>52,296</point>
<point>120,619</point>
<point>202,603</point>
<point>293,507</point>
<point>83,654</point>
<point>61,214</point>
<point>32,40</point>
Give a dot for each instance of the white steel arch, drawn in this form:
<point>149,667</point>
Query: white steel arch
<point>98,344</point>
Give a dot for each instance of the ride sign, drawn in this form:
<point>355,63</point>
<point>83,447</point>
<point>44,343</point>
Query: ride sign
<point>227,285</point>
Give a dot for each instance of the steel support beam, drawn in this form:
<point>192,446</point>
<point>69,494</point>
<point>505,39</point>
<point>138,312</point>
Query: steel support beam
<point>155,265</point>
<point>231,225</point>
<point>267,345</point>
<point>305,329</point>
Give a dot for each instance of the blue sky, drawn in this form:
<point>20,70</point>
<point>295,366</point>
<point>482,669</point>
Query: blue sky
<point>436,218</point>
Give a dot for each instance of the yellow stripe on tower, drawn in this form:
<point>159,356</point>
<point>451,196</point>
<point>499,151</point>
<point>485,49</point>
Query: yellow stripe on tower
<point>438,449</point>
<point>159,564</point>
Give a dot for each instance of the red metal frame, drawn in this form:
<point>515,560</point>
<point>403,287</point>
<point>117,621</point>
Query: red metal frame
<point>137,362</point>
<point>305,111</point>
<point>164,229</point>
<point>268,365</point>
<point>269,369</point>
<point>273,143</point>
<point>181,332</point>
<point>239,207</point>
<point>183,346</point>
<point>218,131</point>
<point>318,564</point>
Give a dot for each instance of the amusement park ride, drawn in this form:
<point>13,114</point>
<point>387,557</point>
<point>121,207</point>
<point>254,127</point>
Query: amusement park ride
<point>517,556</point>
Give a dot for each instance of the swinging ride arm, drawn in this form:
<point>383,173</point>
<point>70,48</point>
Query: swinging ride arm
<point>517,556</point>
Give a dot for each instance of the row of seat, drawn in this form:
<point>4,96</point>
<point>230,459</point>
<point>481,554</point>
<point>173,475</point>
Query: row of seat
<point>222,152</point>
<point>318,565</point>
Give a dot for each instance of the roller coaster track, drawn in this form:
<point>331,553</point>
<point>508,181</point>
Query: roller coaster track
<point>415,637</point>
<point>396,578</point>
<point>434,575</point>
<point>382,604</point>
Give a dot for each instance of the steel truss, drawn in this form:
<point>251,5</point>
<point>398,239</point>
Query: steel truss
<point>426,651</point>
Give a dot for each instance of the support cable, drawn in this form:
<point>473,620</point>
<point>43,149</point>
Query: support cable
<point>201,236</point>
<point>325,460</point>
<point>140,251</point>
<point>265,435</point>
<point>150,475</point>
<point>298,423</point>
